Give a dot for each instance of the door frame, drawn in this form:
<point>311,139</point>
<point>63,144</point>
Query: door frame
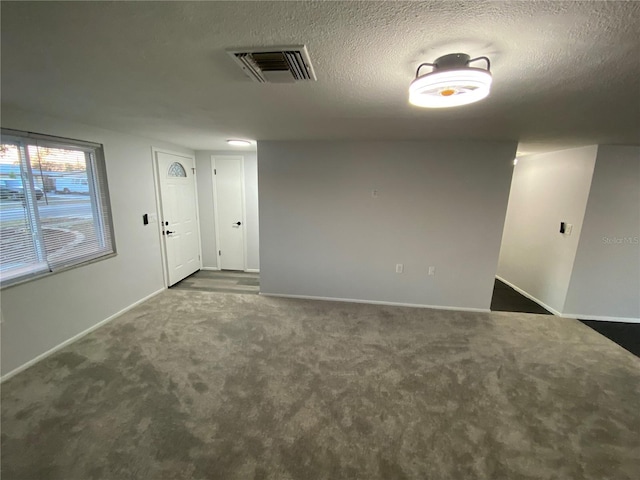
<point>215,207</point>
<point>159,212</point>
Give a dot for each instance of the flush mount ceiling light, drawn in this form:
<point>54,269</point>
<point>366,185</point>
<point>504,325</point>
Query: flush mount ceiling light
<point>451,83</point>
<point>238,142</point>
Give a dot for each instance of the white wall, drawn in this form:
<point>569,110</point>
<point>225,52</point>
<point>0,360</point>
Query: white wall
<point>546,189</point>
<point>253,212</point>
<point>206,199</point>
<point>606,275</point>
<point>322,233</point>
<point>41,314</point>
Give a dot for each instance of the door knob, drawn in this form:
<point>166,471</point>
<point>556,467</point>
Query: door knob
<point>238,223</point>
<point>169,232</point>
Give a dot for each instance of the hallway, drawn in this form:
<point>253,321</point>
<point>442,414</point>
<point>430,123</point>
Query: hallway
<point>226,281</point>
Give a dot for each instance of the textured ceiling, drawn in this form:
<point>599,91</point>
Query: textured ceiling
<point>565,73</point>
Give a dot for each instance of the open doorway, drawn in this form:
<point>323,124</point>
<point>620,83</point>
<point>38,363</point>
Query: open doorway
<point>227,190</point>
<point>526,271</point>
<point>544,217</point>
<point>228,213</point>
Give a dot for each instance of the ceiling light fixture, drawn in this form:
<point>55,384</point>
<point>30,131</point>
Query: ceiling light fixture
<point>238,143</point>
<point>451,83</point>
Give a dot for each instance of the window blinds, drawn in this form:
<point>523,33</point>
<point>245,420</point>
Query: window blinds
<point>55,210</point>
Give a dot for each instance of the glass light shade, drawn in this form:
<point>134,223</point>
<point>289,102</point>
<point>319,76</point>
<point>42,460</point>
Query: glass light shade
<point>450,88</point>
<point>239,143</point>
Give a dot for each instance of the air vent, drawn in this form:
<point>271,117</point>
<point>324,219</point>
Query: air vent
<point>275,64</point>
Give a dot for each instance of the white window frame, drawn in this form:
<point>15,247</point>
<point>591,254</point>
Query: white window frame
<point>100,203</point>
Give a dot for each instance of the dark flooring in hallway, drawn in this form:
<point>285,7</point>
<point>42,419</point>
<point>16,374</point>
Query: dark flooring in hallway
<point>506,299</point>
<point>627,335</point>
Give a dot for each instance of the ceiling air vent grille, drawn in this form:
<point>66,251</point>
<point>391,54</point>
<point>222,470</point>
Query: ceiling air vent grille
<point>275,64</point>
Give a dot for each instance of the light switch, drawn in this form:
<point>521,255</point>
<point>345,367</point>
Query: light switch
<point>565,228</point>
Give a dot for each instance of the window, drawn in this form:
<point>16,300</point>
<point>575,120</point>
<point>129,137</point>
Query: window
<point>54,205</point>
<point>177,170</point>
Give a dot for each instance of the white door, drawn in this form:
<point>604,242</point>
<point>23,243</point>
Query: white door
<point>181,235</point>
<point>229,209</point>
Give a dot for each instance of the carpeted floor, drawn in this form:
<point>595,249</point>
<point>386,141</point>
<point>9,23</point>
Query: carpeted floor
<point>197,385</point>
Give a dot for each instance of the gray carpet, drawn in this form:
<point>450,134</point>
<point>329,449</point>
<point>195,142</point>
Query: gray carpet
<point>196,385</point>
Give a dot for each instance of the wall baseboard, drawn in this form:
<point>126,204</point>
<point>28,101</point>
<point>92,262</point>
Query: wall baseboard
<point>530,297</point>
<point>570,315</point>
<point>76,337</point>
<point>601,318</point>
<point>375,302</point>
<point>216,269</point>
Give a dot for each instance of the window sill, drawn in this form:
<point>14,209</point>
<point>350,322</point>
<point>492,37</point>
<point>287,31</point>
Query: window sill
<point>38,276</point>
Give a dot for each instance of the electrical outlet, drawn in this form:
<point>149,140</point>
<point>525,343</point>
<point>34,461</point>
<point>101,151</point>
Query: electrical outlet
<point>399,268</point>
<point>432,270</point>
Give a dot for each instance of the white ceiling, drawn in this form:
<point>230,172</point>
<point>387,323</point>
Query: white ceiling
<point>565,73</point>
